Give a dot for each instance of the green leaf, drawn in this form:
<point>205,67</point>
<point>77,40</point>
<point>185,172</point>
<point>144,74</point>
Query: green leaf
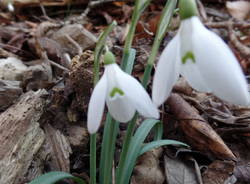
<point>158,131</point>
<point>130,61</point>
<point>166,16</point>
<point>111,129</point>
<point>142,5</point>
<point>126,170</point>
<point>159,143</point>
<point>55,176</point>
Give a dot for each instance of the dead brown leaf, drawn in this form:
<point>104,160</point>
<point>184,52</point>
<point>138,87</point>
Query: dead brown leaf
<point>198,132</point>
<point>179,173</point>
<point>147,170</point>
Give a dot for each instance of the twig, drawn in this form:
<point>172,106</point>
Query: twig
<point>224,24</point>
<point>58,66</point>
<point>202,11</point>
<point>90,5</point>
<point>245,51</point>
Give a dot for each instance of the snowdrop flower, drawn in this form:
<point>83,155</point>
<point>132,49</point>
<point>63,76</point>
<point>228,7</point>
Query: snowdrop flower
<point>10,7</point>
<point>123,95</point>
<point>202,58</point>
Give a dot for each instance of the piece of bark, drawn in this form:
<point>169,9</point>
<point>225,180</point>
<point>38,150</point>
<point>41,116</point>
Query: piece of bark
<point>9,92</point>
<point>198,132</point>
<point>20,135</point>
<point>74,39</point>
<point>78,136</point>
<point>57,148</point>
<point>38,76</point>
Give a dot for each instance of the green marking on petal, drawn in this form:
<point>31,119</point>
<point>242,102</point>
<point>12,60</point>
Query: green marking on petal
<point>188,55</point>
<point>116,90</point>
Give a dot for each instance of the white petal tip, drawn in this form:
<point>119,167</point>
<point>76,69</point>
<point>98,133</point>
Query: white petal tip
<point>156,115</point>
<point>92,128</point>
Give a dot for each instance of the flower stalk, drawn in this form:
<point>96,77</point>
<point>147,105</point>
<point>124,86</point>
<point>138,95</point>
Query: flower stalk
<point>161,30</point>
<point>97,54</point>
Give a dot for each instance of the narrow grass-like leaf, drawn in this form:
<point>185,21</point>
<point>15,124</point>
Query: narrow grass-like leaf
<point>130,61</point>
<point>55,176</point>
<point>159,143</point>
<point>158,131</point>
<point>124,175</point>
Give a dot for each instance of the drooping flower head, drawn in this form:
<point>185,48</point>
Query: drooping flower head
<point>203,58</point>
<point>122,93</point>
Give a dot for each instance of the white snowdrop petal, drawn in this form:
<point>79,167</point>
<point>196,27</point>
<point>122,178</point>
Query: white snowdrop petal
<point>186,32</point>
<point>96,105</point>
<point>191,73</point>
<point>167,72</point>
<point>137,95</point>
<point>120,108</point>
<point>219,67</point>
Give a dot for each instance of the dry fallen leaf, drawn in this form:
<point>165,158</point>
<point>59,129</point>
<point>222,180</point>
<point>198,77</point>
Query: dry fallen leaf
<point>198,132</point>
<point>238,9</point>
<point>179,173</point>
<point>147,170</point>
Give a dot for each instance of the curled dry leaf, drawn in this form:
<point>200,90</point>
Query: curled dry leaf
<point>198,132</point>
<point>147,170</point>
<point>238,9</point>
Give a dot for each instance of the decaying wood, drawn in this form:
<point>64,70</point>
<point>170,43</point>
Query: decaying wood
<point>57,149</point>
<point>198,132</point>
<point>9,92</point>
<point>20,135</point>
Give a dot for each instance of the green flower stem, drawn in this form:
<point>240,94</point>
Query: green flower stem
<point>99,48</point>
<point>97,54</point>
<point>161,31</point>
<point>140,6</point>
<point>125,147</point>
<point>108,148</point>
<point>93,159</point>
